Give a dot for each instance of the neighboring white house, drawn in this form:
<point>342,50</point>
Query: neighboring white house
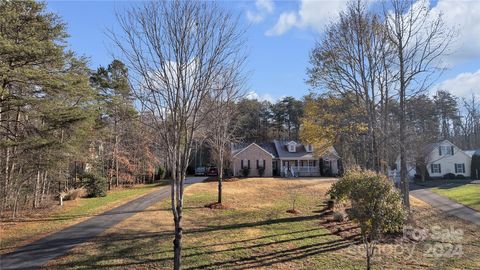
<point>442,158</point>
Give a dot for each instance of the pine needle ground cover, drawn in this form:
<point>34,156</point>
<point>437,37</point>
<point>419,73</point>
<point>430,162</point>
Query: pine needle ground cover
<point>256,232</point>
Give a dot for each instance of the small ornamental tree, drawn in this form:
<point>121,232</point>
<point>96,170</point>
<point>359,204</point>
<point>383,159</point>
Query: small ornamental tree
<point>376,205</point>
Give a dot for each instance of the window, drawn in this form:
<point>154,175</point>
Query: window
<point>291,148</point>
<point>445,150</point>
<point>309,148</point>
<point>436,168</point>
<point>459,167</point>
<point>311,163</point>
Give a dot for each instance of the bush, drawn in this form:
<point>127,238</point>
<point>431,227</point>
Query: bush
<point>459,176</point>
<point>245,171</point>
<point>261,171</point>
<point>376,205</point>
<point>449,176</point>
<point>95,185</point>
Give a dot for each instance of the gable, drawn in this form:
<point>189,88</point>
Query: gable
<point>253,146</point>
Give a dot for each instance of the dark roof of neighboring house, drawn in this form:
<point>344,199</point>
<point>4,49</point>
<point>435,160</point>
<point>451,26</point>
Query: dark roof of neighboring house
<point>267,146</point>
<point>473,152</point>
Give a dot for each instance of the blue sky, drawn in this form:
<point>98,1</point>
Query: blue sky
<point>280,37</point>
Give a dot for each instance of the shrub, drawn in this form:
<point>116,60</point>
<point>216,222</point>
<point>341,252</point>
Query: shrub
<point>376,205</point>
<point>460,176</point>
<point>95,185</point>
<point>245,171</point>
<point>261,171</point>
<point>449,176</point>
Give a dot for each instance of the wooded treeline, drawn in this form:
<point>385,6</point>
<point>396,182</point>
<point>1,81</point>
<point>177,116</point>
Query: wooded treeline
<point>376,68</point>
<point>57,117</point>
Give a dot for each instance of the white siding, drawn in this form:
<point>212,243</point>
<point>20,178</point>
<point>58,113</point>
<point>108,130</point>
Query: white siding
<point>447,162</point>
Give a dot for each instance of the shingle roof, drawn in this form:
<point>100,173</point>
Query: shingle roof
<point>473,152</point>
<point>267,146</point>
<point>282,150</point>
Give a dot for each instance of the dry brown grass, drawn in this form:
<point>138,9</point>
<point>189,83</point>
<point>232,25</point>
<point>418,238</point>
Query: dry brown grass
<point>257,233</point>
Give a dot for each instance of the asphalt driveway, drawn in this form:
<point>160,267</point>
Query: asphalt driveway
<point>38,253</point>
<point>446,205</point>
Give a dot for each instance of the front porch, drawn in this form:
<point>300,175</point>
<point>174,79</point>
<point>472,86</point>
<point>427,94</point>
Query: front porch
<point>306,167</point>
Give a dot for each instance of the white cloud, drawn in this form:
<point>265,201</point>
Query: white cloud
<point>262,9</point>
<point>463,85</point>
<point>286,21</point>
<point>462,16</point>
<point>311,14</point>
<point>266,5</point>
<point>261,97</point>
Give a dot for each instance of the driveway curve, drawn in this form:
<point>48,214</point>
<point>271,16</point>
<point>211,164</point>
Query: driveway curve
<point>38,253</point>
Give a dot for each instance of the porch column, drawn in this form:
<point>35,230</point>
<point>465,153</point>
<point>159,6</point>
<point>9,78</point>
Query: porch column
<point>281,167</point>
<point>298,166</point>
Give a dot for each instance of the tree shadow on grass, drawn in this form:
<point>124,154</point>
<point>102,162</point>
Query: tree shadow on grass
<point>141,249</point>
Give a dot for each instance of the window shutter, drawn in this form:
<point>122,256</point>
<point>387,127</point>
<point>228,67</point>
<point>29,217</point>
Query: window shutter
<point>439,150</point>
<point>249,163</point>
<point>452,150</point>
<point>440,168</point>
<point>264,163</point>
<point>241,163</point>
<point>463,166</point>
<point>456,168</point>
<point>257,163</point>
<point>431,168</point>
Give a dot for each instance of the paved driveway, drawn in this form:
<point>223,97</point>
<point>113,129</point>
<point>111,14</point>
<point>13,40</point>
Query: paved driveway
<point>38,253</point>
<point>446,205</point>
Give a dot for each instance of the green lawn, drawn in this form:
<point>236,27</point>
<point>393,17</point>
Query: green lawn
<point>14,234</point>
<point>468,194</point>
<point>255,232</point>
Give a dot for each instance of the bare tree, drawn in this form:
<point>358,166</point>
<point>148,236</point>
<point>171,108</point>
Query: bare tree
<point>419,39</point>
<point>352,62</point>
<point>220,128</point>
<point>179,53</point>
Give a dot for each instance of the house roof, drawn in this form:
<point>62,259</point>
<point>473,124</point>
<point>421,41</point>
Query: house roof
<point>301,151</point>
<point>472,152</point>
<point>279,149</point>
<point>266,146</point>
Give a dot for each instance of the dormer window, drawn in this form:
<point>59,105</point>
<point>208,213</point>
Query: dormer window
<point>445,150</point>
<point>309,148</point>
<point>292,147</point>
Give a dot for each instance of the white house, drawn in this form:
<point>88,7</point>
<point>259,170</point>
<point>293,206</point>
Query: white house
<point>442,158</point>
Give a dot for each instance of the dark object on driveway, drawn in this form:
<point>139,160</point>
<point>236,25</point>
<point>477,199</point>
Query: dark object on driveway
<point>212,171</point>
<point>201,171</point>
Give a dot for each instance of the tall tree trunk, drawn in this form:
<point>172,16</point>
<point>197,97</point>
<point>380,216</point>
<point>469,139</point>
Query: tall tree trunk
<point>403,141</point>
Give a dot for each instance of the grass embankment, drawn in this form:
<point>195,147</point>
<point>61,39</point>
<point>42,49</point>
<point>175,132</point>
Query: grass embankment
<point>468,194</point>
<point>255,232</point>
<point>25,230</point>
